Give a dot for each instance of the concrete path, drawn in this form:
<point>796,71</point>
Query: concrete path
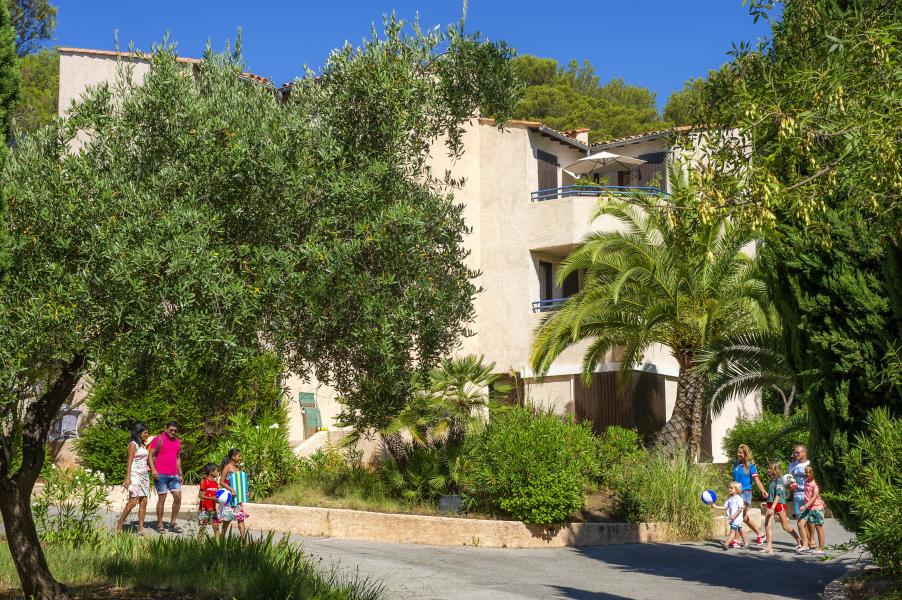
<point>702,571</point>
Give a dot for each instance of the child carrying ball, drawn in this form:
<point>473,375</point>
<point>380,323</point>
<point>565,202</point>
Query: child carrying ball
<point>735,509</point>
<point>207,513</point>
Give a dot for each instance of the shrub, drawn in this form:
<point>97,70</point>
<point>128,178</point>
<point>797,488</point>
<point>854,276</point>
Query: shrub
<point>533,466</point>
<point>265,452</point>
<point>654,487</point>
<point>758,433</point>
<point>874,466</point>
<point>67,509</point>
<point>616,446</point>
<point>427,473</point>
<point>200,400</point>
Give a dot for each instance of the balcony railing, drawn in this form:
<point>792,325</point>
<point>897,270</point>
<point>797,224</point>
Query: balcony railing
<point>547,305</point>
<point>569,191</point>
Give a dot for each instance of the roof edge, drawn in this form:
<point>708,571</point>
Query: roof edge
<point>541,128</point>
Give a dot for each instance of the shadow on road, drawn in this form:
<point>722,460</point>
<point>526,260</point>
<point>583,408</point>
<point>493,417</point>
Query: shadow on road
<point>577,594</point>
<point>782,574</point>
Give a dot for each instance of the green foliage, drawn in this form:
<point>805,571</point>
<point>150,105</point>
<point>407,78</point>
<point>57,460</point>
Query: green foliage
<point>874,491</point>
<point>573,97</point>
<point>40,90</point>
<point>684,105</point>
<point>617,446</point>
<point>10,78</point>
<point>657,487</point>
<point>818,110</point>
<point>68,508</point>
<point>34,22</point>
<point>428,472</point>
<point>458,397</point>
<point>533,467</point>
<point>235,567</point>
<point>762,435</point>
<point>200,399</point>
<point>670,276</point>
<point>266,454</point>
<point>748,363</point>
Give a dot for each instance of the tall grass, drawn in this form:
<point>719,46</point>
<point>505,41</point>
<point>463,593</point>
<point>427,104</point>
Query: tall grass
<point>246,569</point>
<point>659,488</point>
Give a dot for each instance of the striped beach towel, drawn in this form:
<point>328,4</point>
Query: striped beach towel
<point>238,481</point>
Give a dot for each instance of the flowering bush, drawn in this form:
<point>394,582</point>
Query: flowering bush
<point>67,509</point>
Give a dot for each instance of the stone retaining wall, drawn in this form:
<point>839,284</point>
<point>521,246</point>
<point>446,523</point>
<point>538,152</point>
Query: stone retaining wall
<point>453,531</point>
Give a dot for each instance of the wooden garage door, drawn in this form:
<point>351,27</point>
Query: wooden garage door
<point>639,406</point>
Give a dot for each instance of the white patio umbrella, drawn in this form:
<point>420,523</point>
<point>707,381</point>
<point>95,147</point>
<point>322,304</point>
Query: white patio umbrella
<point>601,161</point>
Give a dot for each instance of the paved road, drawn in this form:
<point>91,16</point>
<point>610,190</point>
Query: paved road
<point>702,571</point>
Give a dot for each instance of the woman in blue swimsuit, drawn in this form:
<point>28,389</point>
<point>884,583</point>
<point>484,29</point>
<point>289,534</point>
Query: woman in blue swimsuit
<point>746,473</point>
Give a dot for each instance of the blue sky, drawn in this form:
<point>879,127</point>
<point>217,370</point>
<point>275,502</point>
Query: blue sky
<point>654,43</point>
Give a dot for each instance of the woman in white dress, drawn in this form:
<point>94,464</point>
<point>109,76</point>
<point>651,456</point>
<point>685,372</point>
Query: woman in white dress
<point>137,477</point>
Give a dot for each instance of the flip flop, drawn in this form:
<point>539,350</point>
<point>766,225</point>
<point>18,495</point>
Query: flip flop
<point>175,529</point>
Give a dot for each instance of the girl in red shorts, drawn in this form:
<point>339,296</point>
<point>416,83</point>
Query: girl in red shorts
<point>776,506</point>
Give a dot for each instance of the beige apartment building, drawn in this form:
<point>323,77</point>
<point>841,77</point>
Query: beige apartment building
<point>526,213</point>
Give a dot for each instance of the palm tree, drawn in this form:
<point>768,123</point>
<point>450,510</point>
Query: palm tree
<point>668,276</point>
<point>746,364</point>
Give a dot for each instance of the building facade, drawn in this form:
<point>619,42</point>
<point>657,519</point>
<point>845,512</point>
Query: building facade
<point>527,213</point>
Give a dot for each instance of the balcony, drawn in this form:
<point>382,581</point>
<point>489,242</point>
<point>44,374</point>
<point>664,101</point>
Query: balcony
<point>540,306</point>
<point>571,191</point>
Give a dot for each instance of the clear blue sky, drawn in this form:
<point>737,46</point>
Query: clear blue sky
<point>654,43</point>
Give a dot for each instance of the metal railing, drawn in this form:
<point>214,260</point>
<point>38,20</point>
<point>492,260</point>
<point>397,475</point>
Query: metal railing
<point>569,191</point>
<point>547,305</point>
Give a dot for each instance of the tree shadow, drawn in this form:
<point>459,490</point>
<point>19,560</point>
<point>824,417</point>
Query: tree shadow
<point>563,591</point>
<point>782,574</point>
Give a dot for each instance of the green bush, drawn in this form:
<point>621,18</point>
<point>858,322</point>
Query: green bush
<point>616,446</point>
<point>758,434</point>
<point>535,467</point>
<point>427,473</point>
<point>200,401</point>
<point>266,455</point>
<point>654,487</point>
<point>67,509</point>
<point>874,466</point>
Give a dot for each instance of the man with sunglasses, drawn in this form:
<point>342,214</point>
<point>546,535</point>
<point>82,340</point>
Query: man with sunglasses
<point>166,469</point>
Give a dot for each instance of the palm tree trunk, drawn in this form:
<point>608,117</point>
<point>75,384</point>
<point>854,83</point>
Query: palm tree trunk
<point>394,444</point>
<point>685,423</point>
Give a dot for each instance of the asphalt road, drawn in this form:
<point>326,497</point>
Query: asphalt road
<point>701,571</point>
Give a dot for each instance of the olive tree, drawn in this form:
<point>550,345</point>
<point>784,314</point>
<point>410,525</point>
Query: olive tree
<point>194,215</point>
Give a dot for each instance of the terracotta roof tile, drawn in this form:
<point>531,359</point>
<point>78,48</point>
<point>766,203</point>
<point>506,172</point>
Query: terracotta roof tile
<point>647,134</point>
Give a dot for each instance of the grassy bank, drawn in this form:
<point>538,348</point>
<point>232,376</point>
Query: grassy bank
<point>254,569</point>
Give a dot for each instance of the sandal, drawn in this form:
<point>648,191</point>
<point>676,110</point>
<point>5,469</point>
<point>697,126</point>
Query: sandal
<point>175,529</point>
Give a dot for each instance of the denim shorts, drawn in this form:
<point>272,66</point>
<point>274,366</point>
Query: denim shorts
<point>735,527</point>
<point>746,496</point>
<point>168,483</point>
<point>798,501</point>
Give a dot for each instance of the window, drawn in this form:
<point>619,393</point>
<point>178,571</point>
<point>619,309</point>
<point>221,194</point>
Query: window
<point>546,280</point>
<point>571,285</point>
<point>548,167</point>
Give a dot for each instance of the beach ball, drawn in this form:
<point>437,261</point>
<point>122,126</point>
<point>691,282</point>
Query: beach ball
<point>223,496</point>
<point>709,497</point>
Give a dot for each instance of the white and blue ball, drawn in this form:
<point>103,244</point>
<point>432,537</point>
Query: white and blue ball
<point>223,496</point>
<point>709,497</point>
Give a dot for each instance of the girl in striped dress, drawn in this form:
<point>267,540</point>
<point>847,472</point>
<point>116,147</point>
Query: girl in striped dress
<point>232,478</point>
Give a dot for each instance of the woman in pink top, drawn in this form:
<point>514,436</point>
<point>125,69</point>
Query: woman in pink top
<point>811,518</point>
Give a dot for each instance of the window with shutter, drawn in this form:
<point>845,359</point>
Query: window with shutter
<point>548,168</point>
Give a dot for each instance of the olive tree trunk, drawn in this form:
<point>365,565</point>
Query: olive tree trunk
<point>16,488</point>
